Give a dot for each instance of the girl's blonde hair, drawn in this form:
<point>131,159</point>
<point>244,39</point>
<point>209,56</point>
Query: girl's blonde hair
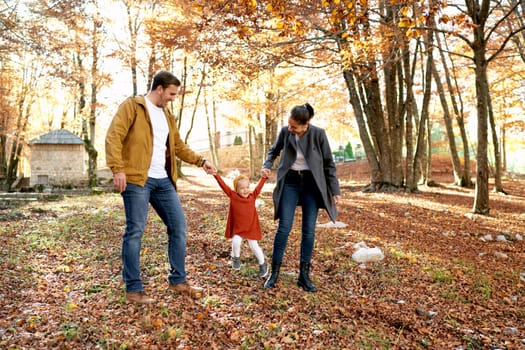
<point>237,179</point>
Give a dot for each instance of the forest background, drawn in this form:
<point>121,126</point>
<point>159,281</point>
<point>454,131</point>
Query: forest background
<point>398,80</point>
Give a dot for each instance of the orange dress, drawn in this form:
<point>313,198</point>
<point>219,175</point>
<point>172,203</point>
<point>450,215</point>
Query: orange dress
<point>243,219</point>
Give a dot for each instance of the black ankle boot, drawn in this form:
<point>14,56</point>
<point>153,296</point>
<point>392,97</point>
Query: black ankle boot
<point>270,282</point>
<point>304,278</point>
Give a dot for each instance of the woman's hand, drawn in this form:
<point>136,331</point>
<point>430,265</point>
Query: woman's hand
<point>337,198</point>
<point>266,172</point>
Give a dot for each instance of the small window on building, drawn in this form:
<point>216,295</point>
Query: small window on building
<point>42,180</point>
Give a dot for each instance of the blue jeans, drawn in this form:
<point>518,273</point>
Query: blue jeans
<point>165,200</point>
<point>297,190</point>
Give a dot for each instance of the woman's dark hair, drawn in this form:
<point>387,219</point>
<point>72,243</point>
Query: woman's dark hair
<point>164,79</point>
<point>302,113</point>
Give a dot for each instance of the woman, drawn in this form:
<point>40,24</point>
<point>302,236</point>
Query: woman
<point>307,177</point>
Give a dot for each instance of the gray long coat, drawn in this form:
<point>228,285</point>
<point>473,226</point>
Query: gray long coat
<point>318,155</point>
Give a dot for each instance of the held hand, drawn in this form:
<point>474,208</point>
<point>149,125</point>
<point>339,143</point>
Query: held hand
<point>266,172</point>
<point>119,181</point>
<point>209,168</point>
<point>337,198</point>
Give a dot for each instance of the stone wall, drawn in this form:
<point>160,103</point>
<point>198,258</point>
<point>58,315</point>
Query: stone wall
<point>57,165</point>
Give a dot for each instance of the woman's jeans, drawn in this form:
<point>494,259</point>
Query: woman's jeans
<point>299,189</point>
<point>165,200</point>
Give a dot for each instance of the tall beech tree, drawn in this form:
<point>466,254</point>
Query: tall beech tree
<point>72,40</point>
<point>462,173</point>
<point>364,41</point>
<point>226,57</point>
<point>488,38</point>
<point>367,37</point>
<point>21,78</point>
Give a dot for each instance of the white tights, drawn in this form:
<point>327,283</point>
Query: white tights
<point>254,246</point>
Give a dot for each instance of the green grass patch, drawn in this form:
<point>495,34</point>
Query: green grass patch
<point>483,286</point>
<point>441,276</point>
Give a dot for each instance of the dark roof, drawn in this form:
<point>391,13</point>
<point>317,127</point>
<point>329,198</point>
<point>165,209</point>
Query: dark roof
<point>61,136</point>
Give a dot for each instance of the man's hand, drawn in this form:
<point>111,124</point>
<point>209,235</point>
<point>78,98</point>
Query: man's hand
<point>209,168</point>
<point>119,181</point>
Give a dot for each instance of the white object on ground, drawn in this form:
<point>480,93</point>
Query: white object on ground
<point>363,255</point>
<point>337,224</point>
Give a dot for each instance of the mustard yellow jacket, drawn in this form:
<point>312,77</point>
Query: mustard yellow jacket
<point>129,143</point>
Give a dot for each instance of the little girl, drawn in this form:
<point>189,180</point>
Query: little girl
<point>243,220</point>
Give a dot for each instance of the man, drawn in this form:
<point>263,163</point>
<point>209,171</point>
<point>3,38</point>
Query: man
<point>142,144</point>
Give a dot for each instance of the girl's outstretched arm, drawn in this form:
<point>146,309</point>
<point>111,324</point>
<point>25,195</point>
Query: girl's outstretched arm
<point>223,185</point>
<point>259,186</point>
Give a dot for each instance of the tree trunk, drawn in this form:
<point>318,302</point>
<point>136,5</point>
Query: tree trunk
<point>92,154</point>
<point>133,46</point>
<point>421,137</point>
<point>184,81</point>
<point>212,130</point>
<point>195,106</point>
<point>498,186</point>
<point>457,105</point>
<point>381,132</point>
<point>3,153</point>
<point>14,158</point>
<point>259,155</point>
<point>14,145</point>
<point>376,174</point>
<point>393,89</point>
<point>272,113</point>
<point>479,14</point>
<point>428,169</point>
<point>411,183</point>
<point>251,150</point>
<point>503,150</point>
<point>481,202</point>
<point>456,164</point>
<point>89,135</point>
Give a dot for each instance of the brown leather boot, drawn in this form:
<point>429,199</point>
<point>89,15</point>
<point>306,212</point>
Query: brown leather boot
<point>186,289</point>
<point>139,298</point>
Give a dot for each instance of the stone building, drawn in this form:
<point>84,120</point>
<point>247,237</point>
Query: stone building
<point>58,158</point>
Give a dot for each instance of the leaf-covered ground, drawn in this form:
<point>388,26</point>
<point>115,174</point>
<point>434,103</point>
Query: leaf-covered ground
<point>449,280</point>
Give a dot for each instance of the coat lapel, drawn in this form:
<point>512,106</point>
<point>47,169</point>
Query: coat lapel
<point>303,143</point>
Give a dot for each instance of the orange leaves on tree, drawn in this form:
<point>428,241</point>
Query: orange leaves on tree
<point>406,22</point>
<point>413,33</point>
<point>406,11</point>
<point>444,19</point>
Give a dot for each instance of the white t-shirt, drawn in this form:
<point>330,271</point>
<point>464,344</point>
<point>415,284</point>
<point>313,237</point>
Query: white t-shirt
<point>300,162</point>
<point>161,130</point>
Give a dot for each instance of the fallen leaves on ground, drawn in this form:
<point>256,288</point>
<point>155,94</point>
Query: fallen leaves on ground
<point>449,280</point>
